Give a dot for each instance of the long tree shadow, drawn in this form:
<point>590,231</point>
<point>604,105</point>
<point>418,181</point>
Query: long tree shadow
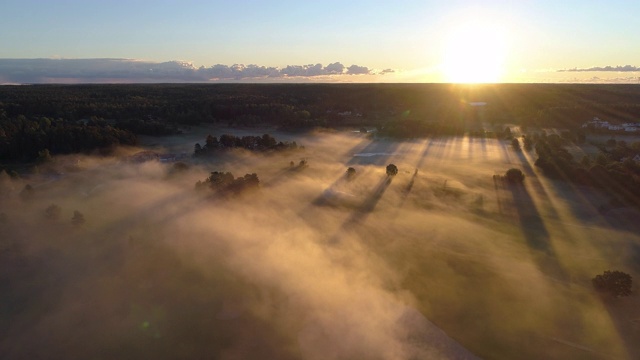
<point>497,185</point>
<point>536,184</point>
<point>586,203</point>
<point>627,328</point>
<point>535,232</point>
<point>407,189</point>
<point>362,212</point>
<point>322,198</point>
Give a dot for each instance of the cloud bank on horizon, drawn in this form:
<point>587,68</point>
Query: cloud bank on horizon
<point>30,71</point>
<point>625,68</point>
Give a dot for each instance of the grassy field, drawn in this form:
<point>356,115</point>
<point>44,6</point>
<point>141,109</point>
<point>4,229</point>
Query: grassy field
<point>439,261</point>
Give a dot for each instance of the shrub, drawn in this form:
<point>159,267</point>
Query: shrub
<point>78,218</point>
<point>53,212</point>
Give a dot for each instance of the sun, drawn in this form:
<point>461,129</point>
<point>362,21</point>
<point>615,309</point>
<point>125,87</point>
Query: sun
<point>474,52</point>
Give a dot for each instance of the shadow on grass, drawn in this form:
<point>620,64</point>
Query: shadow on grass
<point>407,189</point>
<point>535,232</point>
<point>619,310</point>
<point>359,214</point>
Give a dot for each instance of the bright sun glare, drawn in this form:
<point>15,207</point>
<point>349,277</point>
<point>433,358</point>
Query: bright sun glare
<point>474,53</point>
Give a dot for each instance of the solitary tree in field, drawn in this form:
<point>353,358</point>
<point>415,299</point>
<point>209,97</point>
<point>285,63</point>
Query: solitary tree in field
<point>351,172</point>
<point>392,170</point>
<point>615,283</point>
<point>514,176</point>
<point>78,218</point>
<point>52,212</point>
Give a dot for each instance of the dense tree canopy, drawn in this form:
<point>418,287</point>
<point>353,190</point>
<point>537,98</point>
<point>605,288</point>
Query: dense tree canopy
<point>615,283</point>
<point>225,183</point>
<point>265,142</point>
<point>27,139</point>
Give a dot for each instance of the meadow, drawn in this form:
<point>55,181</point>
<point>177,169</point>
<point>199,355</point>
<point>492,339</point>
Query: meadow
<point>439,261</point>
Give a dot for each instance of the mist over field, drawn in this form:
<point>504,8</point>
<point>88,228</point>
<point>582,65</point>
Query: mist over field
<point>440,261</point>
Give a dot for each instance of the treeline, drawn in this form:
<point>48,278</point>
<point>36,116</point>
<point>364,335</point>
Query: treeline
<point>252,143</point>
<point>25,139</point>
<point>300,106</point>
<point>615,169</point>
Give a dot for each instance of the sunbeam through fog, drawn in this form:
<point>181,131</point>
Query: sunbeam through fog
<point>315,264</point>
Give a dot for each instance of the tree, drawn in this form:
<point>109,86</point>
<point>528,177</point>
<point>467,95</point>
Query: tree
<point>614,282</point>
<point>586,161</point>
<point>27,192</point>
<point>602,159</point>
<point>211,142</point>
<point>506,133</point>
<point>52,212</point>
<point>515,144</point>
<point>392,170</point>
<point>514,176</point>
<point>528,143</point>
<point>351,172</point>
<point>78,218</point>
<point>219,179</point>
<point>44,156</point>
<point>250,181</point>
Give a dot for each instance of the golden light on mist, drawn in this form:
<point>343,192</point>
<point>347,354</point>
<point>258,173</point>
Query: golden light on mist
<point>474,52</point>
<point>367,267</point>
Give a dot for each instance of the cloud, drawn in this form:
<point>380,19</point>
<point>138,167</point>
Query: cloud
<point>335,68</point>
<point>626,68</point>
<point>129,70</point>
<point>358,70</point>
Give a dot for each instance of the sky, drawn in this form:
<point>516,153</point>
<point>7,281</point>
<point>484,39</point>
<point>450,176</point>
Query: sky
<point>432,41</point>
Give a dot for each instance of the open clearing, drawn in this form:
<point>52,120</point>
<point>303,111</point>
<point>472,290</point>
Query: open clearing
<point>316,266</point>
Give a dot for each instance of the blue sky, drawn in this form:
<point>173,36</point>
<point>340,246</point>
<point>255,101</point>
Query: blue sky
<point>406,35</point>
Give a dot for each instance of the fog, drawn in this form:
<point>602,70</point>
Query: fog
<point>437,262</point>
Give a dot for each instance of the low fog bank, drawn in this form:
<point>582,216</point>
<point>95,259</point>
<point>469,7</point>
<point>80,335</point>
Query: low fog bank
<point>314,264</point>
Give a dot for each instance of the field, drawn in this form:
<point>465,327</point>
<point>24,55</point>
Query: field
<point>440,261</point>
